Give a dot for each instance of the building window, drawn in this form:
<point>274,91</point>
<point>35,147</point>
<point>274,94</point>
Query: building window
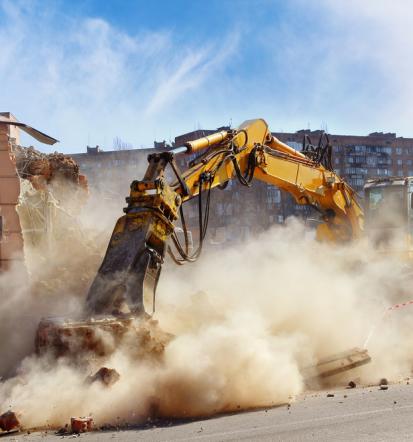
<point>379,149</point>
<point>355,170</point>
<point>337,160</point>
<point>399,150</point>
<point>273,195</point>
<point>399,173</point>
<point>386,161</point>
<point>409,162</point>
<point>382,172</point>
<point>371,161</point>
<point>356,182</point>
<point>360,148</point>
<point>400,162</point>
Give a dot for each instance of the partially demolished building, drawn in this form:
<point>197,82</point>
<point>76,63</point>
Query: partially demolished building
<point>31,187</point>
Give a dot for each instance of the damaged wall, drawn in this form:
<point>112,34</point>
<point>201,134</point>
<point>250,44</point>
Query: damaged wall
<point>11,240</point>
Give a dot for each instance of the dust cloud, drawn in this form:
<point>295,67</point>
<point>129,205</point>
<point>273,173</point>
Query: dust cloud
<point>247,320</point>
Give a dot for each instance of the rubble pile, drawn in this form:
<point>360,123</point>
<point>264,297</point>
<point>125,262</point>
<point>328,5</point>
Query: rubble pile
<point>40,169</point>
<point>74,340</point>
<point>52,195</point>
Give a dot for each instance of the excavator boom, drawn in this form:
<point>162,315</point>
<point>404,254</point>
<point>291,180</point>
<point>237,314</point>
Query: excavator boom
<point>127,279</point>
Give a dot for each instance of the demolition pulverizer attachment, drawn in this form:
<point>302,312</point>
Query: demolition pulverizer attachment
<point>130,270</point>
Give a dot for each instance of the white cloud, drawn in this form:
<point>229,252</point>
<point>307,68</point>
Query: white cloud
<point>190,73</point>
<point>353,65</point>
<point>83,80</point>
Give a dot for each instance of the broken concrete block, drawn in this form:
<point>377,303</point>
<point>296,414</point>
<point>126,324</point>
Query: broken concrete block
<point>9,421</point>
<point>81,424</point>
<point>107,376</point>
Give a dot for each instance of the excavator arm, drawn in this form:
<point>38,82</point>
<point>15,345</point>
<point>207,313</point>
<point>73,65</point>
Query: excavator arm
<point>141,238</point>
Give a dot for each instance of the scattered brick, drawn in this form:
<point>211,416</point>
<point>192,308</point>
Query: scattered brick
<point>9,421</point>
<point>81,424</point>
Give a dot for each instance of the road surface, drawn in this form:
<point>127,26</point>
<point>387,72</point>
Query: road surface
<point>361,414</point>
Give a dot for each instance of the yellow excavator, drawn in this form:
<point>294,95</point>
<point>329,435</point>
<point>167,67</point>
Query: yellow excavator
<point>125,285</point>
<point>141,238</point>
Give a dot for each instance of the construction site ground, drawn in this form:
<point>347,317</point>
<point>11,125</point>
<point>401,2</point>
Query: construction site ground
<point>368,414</point>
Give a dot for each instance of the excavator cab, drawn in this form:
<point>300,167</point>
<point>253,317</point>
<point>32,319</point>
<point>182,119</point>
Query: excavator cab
<point>389,214</point>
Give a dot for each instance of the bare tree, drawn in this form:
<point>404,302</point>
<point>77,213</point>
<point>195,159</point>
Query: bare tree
<point>119,144</point>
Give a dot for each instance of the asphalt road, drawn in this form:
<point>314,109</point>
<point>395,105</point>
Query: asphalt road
<point>366,414</point>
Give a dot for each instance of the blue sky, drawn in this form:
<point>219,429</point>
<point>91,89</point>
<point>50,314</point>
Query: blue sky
<point>89,71</point>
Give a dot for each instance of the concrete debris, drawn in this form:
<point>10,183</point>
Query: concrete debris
<point>9,421</point>
<point>73,339</point>
<point>40,168</point>
<point>384,381</point>
<point>351,384</point>
<point>81,424</point>
<point>383,387</point>
<point>330,395</point>
<point>336,364</point>
<point>107,376</point>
